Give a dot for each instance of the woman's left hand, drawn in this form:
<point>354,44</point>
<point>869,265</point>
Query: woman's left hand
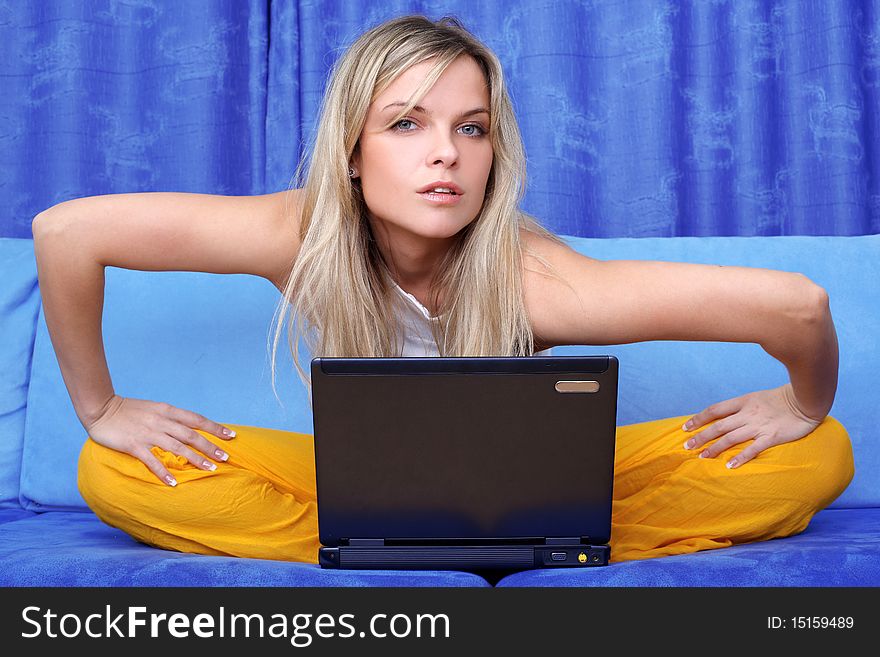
<point>766,417</point>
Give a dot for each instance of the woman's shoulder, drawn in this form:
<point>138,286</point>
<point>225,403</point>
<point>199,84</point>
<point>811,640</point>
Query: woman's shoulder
<point>545,255</point>
<point>547,265</point>
<point>281,215</point>
<point>540,241</point>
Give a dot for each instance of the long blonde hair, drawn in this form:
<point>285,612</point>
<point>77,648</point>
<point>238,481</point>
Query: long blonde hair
<point>340,289</point>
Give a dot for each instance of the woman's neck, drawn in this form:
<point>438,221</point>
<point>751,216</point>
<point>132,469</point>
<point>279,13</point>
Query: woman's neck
<point>412,261</point>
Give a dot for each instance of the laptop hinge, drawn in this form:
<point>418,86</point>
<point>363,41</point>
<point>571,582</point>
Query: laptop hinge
<point>565,540</point>
<point>366,542</point>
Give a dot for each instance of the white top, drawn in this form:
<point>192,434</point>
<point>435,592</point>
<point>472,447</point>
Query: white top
<point>416,323</point>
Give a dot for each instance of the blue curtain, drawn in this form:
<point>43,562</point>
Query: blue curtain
<point>640,118</point>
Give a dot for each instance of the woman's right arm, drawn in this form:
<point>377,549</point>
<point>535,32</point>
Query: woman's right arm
<point>161,231</point>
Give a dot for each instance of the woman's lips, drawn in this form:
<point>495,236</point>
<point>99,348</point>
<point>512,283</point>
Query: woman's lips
<point>439,198</point>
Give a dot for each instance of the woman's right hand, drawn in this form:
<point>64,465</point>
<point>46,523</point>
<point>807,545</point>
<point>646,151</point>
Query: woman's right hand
<point>135,426</point>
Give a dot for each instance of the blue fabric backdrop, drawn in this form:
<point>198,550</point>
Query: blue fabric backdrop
<point>640,118</point>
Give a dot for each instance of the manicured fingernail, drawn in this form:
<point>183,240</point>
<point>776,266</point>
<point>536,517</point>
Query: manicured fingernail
<point>228,432</point>
<point>686,426</point>
<point>689,444</point>
<point>221,455</point>
<point>210,466</point>
<point>704,455</point>
<point>732,463</point>
<point>171,480</point>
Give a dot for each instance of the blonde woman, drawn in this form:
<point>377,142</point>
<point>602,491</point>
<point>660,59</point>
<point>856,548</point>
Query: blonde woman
<point>406,239</point>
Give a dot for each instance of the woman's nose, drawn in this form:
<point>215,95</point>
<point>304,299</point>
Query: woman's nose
<point>443,151</point>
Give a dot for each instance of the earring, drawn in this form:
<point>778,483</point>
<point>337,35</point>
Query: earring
<point>351,172</point>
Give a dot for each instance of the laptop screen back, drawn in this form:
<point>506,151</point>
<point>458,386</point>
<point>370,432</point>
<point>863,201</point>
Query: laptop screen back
<point>464,449</point>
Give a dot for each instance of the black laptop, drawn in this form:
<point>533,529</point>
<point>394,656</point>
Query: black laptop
<point>464,463</point>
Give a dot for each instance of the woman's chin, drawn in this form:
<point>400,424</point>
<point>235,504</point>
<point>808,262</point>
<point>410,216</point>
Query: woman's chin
<point>432,227</point>
<point>441,234</point>
<point>441,229</point>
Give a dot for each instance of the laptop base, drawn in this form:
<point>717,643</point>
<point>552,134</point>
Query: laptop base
<point>423,557</point>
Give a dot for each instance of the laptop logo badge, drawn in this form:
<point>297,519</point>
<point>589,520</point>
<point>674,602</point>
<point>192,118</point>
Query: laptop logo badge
<point>577,386</point>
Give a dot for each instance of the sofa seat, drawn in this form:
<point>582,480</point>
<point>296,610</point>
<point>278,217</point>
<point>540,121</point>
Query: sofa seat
<point>839,548</point>
<point>69,548</point>
<point>11,515</point>
<point>61,548</point>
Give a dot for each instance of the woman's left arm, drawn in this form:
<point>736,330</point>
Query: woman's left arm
<point>809,352</point>
<point>622,301</point>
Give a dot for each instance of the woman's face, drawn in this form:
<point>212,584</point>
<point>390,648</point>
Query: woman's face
<point>443,140</point>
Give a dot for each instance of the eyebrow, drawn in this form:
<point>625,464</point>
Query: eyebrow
<point>419,108</point>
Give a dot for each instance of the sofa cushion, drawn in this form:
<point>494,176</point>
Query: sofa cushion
<point>838,548</point>
<point>19,304</point>
<point>76,549</point>
<point>194,340</point>
<point>666,379</point>
<point>198,341</point>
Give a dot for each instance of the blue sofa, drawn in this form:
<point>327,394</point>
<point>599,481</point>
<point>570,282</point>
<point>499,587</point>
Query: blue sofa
<point>198,341</point>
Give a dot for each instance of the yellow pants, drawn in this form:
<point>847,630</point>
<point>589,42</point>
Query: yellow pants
<point>667,500</point>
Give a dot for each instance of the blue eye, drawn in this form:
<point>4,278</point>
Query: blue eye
<point>480,132</point>
<point>401,122</point>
